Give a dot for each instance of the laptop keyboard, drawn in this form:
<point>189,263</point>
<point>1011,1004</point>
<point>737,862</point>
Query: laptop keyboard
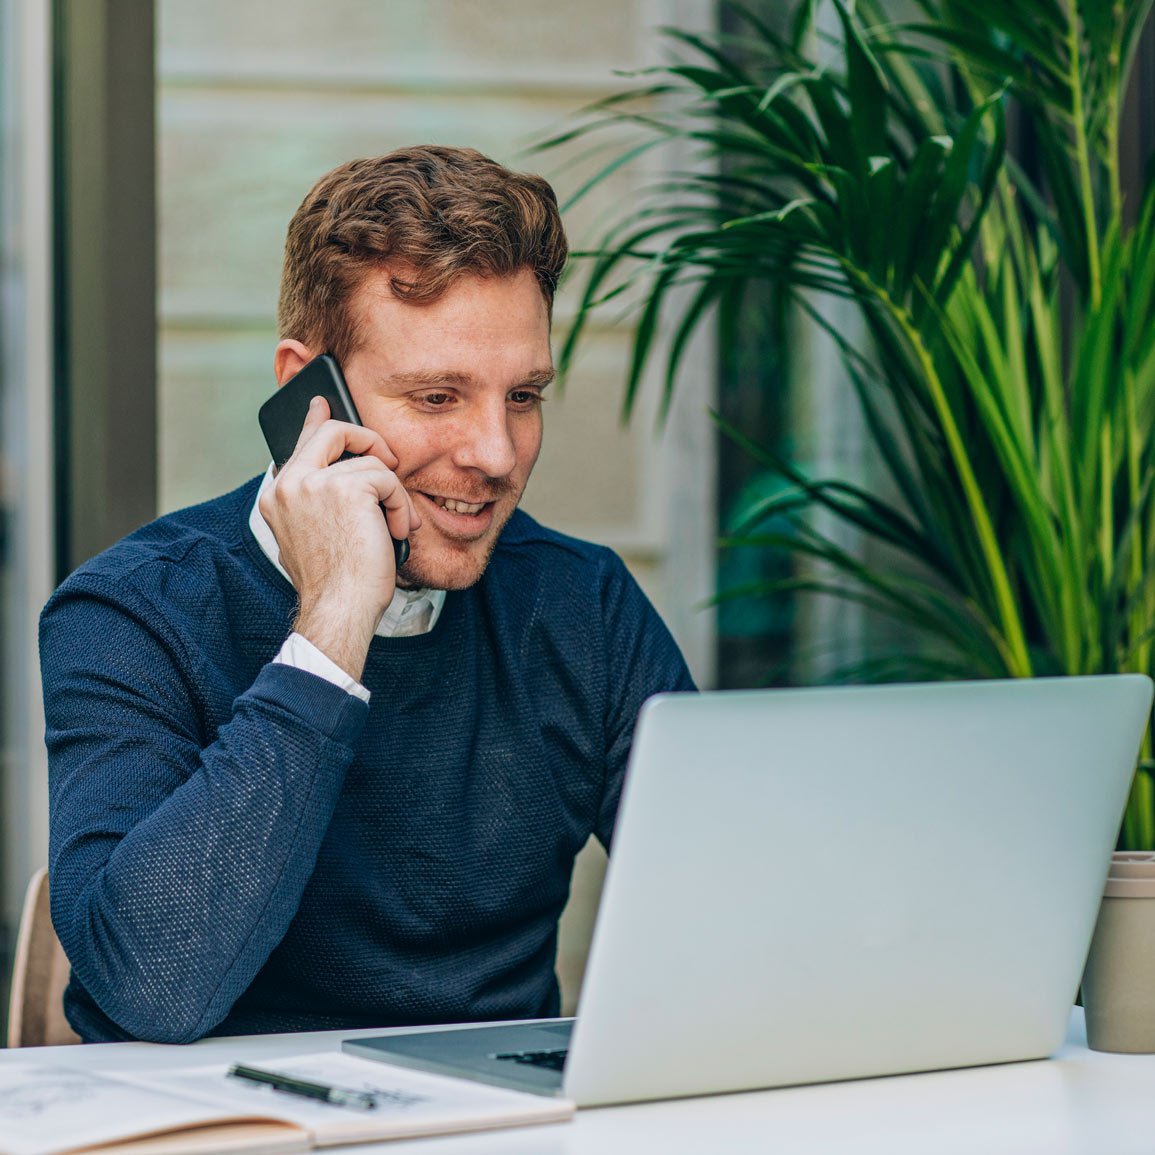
<point>550,1060</point>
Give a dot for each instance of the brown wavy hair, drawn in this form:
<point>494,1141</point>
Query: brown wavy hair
<point>434,214</point>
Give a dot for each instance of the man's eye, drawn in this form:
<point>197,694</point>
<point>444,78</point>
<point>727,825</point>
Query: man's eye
<point>436,399</point>
<point>526,398</point>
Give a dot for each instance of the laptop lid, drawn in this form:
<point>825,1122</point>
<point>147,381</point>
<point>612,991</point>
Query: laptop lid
<point>809,885</point>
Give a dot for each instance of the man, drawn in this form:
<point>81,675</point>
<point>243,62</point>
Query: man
<point>292,788</point>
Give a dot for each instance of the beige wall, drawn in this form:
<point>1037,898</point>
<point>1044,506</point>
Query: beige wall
<point>258,99</point>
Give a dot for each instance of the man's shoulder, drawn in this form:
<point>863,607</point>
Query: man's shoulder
<point>532,562</point>
<point>526,537</point>
<point>198,534</point>
<point>585,601</point>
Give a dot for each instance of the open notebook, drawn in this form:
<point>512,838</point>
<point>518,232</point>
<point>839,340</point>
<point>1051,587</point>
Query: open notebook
<point>48,1108</point>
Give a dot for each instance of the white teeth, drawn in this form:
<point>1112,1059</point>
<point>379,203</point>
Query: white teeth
<point>458,506</point>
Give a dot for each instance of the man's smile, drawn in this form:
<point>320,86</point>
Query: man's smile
<point>456,505</point>
<point>464,509</point>
<point>453,518</point>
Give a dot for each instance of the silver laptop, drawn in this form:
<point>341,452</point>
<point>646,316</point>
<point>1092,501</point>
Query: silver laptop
<point>809,885</point>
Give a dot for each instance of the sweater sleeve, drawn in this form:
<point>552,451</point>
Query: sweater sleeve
<point>642,659</point>
<point>177,859</point>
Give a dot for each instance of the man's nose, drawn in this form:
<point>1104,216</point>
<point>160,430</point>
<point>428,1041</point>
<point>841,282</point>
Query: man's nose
<point>487,442</point>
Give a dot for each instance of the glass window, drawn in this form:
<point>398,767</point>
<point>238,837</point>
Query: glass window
<point>26,537</point>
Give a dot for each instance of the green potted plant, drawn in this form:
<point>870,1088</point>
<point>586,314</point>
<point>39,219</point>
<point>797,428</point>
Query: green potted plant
<point>1006,367</point>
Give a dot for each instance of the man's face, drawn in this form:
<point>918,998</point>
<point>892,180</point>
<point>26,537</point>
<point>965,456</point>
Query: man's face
<point>454,388</point>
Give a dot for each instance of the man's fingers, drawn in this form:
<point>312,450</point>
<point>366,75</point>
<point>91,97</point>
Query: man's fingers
<point>342,466</point>
<point>323,441</point>
<point>400,512</point>
<point>317,415</point>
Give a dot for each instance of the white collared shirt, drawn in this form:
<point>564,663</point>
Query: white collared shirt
<point>402,617</point>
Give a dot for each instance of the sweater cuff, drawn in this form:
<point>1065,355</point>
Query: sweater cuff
<point>324,707</point>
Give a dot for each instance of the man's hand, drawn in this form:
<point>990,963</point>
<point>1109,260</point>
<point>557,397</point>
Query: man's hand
<point>335,544</point>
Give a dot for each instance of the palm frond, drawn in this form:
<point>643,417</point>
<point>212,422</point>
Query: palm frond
<point>1005,365</point>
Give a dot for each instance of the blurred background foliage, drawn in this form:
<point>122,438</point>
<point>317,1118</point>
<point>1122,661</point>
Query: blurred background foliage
<point>991,308</point>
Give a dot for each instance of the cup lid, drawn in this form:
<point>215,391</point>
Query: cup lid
<point>1132,875</point>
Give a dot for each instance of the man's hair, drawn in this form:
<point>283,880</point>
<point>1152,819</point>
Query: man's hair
<point>432,214</point>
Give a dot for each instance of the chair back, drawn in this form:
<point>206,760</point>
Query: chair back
<point>39,975</point>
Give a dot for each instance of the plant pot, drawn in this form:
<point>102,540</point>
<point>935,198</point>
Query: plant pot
<point>1119,982</point>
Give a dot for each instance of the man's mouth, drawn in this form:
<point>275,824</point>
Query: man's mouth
<point>453,505</point>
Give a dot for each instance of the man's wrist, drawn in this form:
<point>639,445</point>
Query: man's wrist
<point>342,638</point>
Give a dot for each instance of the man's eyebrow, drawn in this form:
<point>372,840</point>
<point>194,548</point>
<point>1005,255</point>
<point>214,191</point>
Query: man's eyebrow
<point>430,377</point>
<point>538,378</point>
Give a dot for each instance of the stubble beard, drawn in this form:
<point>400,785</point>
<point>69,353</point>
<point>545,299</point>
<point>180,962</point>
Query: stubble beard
<point>459,571</point>
<point>452,566</point>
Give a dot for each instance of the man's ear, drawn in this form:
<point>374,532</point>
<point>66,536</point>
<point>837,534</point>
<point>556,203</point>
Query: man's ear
<point>289,359</point>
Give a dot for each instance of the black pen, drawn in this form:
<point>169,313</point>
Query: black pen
<point>338,1096</point>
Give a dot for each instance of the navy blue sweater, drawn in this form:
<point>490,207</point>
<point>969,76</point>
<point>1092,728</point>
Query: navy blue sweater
<point>238,846</point>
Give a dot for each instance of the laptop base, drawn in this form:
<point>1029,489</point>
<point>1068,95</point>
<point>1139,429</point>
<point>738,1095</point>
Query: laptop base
<point>473,1053</point>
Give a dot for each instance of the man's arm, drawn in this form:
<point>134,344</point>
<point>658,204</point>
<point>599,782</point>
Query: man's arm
<point>179,857</point>
<point>176,869</point>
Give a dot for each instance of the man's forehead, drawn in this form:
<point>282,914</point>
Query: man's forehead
<point>481,330</point>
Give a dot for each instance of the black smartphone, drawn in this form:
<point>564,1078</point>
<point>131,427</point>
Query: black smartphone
<point>283,415</point>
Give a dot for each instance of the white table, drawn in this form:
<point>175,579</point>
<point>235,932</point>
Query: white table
<point>1079,1103</point>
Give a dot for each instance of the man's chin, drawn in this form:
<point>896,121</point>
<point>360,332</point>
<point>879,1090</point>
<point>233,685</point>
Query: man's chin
<point>446,568</point>
<point>438,562</point>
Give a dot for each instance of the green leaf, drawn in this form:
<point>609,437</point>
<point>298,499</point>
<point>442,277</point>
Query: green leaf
<point>867,90</point>
<point>944,212</point>
<point>990,175</point>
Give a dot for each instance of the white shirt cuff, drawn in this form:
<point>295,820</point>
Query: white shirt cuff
<point>301,654</point>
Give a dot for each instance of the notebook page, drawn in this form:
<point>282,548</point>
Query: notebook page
<point>46,1108</point>
<point>411,1102</point>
